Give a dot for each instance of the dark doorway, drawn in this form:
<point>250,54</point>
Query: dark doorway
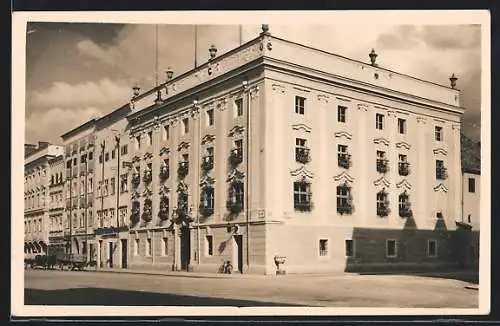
<point>110,254</point>
<point>99,250</point>
<point>124,253</point>
<point>238,239</point>
<point>91,252</point>
<point>185,248</point>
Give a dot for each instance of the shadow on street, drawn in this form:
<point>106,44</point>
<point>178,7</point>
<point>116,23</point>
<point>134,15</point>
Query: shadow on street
<point>470,277</point>
<point>111,297</point>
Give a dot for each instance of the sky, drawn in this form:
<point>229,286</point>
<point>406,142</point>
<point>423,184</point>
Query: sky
<point>77,71</point>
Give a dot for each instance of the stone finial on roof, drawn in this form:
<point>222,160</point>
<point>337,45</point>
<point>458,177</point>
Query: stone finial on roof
<point>212,51</point>
<point>373,57</point>
<point>453,81</point>
<point>265,29</point>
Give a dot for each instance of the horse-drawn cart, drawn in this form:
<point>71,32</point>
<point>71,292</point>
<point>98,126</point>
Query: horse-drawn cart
<point>61,260</point>
<point>73,261</point>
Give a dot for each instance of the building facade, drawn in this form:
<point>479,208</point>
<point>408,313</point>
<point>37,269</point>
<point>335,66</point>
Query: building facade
<point>112,199</point>
<point>80,167</point>
<point>37,177</point>
<point>277,149</point>
<point>57,223</point>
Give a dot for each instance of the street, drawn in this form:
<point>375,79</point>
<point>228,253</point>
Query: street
<point>342,290</point>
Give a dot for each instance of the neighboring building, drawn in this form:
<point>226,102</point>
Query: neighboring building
<point>279,149</point>
<point>471,201</point>
<point>37,174</point>
<point>112,197</point>
<point>56,205</point>
<point>80,168</point>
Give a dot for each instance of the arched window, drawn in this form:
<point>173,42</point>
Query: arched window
<point>404,205</point>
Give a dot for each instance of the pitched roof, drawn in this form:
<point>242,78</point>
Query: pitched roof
<point>470,155</point>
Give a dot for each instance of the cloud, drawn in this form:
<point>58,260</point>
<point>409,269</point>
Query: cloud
<point>50,125</point>
<point>102,93</point>
<point>108,55</point>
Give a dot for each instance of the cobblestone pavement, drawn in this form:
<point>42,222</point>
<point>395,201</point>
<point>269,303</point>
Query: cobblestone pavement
<point>341,290</point>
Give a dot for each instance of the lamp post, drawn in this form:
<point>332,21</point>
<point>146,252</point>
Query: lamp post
<point>174,218</point>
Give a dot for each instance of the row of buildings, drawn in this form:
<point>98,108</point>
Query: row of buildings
<point>273,149</point>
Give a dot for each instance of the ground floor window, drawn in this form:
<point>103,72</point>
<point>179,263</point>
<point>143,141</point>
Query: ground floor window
<point>432,248</point>
<point>165,247</point>
<point>136,247</point>
<point>148,247</point>
<point>349,248</point>
<point>391,249</point>
<point>323,247</point>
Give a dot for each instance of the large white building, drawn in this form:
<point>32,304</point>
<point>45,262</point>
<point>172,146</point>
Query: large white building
<point>273,149</point>
<point>279,149</point>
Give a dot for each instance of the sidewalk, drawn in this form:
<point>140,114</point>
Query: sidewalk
<point>174,274</point>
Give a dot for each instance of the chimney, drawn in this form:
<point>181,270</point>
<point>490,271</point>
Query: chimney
<point>29,149</point>
<point>43,144</point>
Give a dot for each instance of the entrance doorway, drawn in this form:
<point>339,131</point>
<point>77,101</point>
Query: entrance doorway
<point>99,253</point>
<point>185,247</point>
<point>91,252</point>
<point>110,255</point>
<point>124,253</point>
<point>238,240</point>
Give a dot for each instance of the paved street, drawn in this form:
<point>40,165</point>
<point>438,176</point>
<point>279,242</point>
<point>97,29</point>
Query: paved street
<point>107,288</point>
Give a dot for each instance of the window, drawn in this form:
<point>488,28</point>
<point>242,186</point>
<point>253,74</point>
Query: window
<point>440,170</point>
<point>106,156</point>
<point>150,138</point>
<point>105,189</point>
<point>349,248</point>
<point>343,157</point>
<point>138,142</point>
<point>136,247</point>
<point>148,247</point>
<point>90,185</point>
<point>236,194</point>
<point>341,113</point>
<point>112,185</point>
<point>113,154</point>
<point>472,185</point>
<point>51,180</point>
<point>323,247</point>
<point>165,247</point>
<point>379,121</point>
<point>238,104</point>
<point>100,158</point>
<point>404,205</point>
<point>438,132</point>
<point>91,156</point>
<point>123,183</point>
<point>209,245</point>
<point>302,196</point>
<point>382,166</point>
<point>68,164</point>
<point>82,187</point>
<point>166,132</point>
<point>390,248</point>
<point>300,104</point>
<point>402,126</point>
<point>382,203</point>
<point>208,198</point>
<point>124,150</point>
<point>432,248</point>
<point>185,124</point>
<point>403,165</point>
<point>301,151</point>
<point>210,117</point>
<point>344,205</point>
<point>74,163</point>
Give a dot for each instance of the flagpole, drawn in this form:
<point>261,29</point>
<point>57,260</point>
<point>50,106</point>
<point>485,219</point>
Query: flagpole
<point>195,45</point>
